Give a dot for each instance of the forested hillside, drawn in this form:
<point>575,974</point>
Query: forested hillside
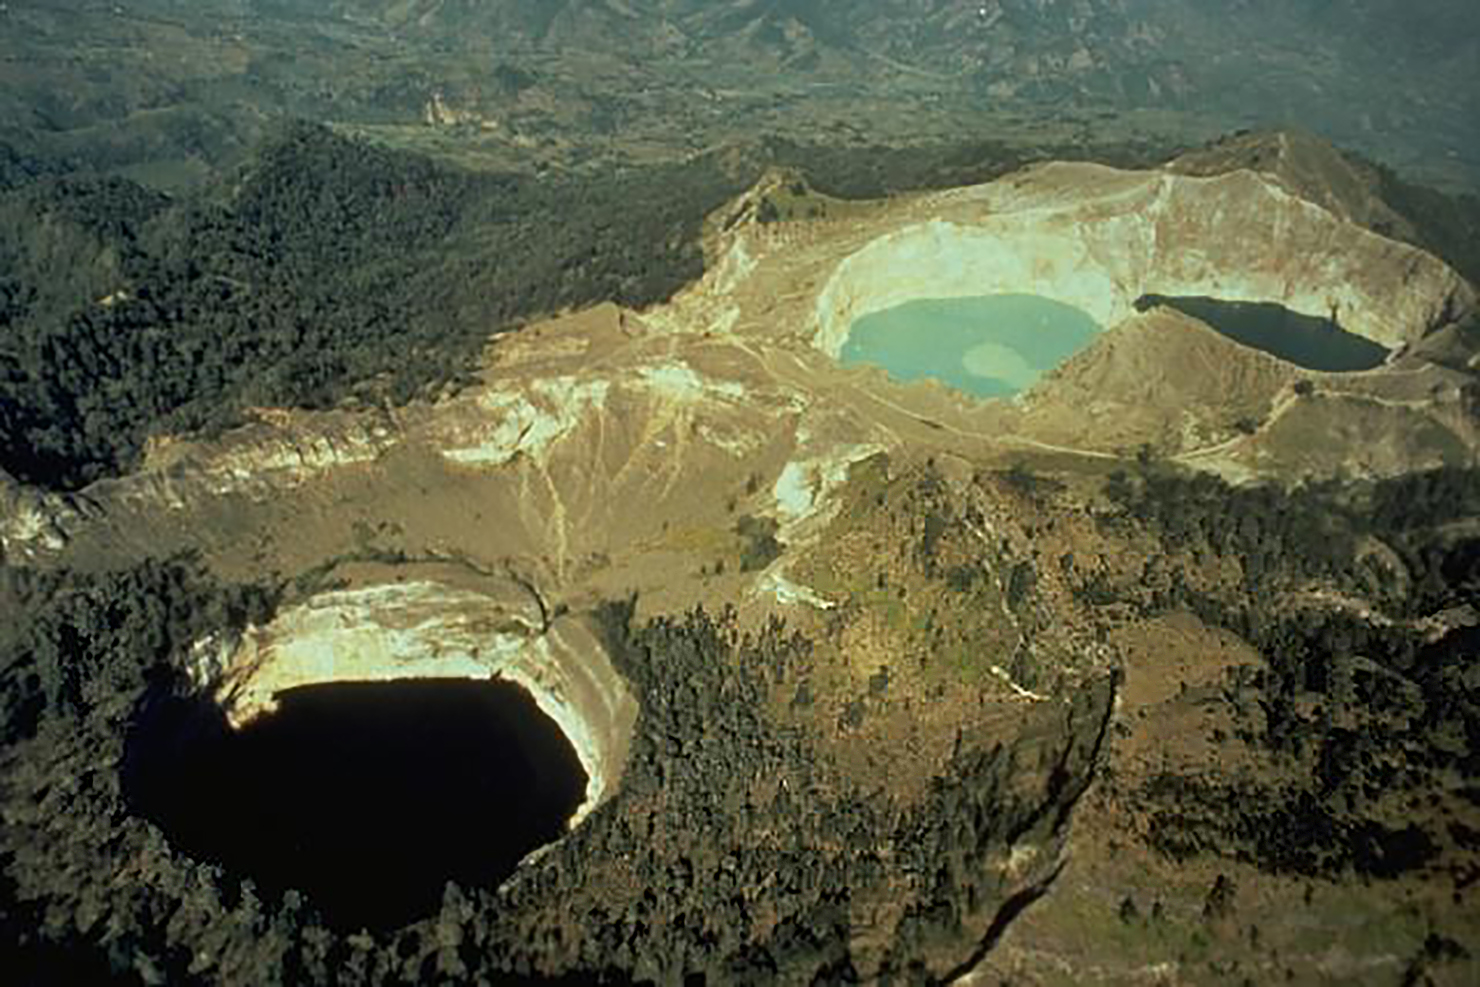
<point>1359,598</point>
<point>696,869</point>
<point>330,268</point>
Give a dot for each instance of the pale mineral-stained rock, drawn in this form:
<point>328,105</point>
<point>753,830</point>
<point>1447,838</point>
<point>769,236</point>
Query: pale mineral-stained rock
<point>801,491</point>
<point>776,585</point>
<point>1099,239</point>
<point>422,630</point>
<point>34,524</point>
<point>608,453</point>
<point>281,451</point>
<point>600,410</point>
<point>527,421</point>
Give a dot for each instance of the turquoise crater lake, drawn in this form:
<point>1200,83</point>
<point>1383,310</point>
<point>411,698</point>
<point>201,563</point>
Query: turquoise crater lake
<point>989,345</point>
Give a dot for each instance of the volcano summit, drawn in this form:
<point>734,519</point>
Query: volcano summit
<point>869,678</point>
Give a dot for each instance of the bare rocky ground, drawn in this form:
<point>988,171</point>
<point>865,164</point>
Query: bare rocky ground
<point>1040,729</point>
<point>609,439</point>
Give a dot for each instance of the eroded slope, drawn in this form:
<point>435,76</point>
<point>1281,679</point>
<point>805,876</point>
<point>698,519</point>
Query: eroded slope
<point>964,577</point>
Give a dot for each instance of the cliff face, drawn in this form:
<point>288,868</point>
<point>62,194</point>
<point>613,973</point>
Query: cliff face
<point>1100,239</point>
<point>715,403</point>
<point>963,578</point>
<point>429,630</point>
<point>1308,168</point>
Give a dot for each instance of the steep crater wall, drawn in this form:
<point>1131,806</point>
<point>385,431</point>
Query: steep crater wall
<point>1099,239</point>
<point>426,630</point>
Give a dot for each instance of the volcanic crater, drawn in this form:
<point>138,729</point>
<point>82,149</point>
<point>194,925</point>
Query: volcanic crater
<point>711,452</point>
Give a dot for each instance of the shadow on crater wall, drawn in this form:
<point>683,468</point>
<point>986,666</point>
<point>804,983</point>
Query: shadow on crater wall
<point>367,797</point>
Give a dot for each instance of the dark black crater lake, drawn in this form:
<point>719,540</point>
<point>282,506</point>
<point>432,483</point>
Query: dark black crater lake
<point>365,796</point>
<point>1304,340</point>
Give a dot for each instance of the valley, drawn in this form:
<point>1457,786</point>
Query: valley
<point>589,85</point>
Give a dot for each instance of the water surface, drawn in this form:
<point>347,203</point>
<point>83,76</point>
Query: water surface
<point>1307,341</point>
<point>366,796</point>
<point>988,345</point>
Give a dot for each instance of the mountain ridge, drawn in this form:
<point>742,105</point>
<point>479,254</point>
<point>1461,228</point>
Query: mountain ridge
<point>591,82</point>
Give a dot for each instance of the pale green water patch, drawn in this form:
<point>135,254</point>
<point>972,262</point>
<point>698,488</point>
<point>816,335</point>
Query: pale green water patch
<point>987,345</point>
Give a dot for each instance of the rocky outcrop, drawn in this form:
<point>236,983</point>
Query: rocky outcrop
<point>1116,393</point>
<point>419,630</point>
<point>1307,167</point>
<point>729,392</point>
<point>1099,239</point>
<point>34,524</point>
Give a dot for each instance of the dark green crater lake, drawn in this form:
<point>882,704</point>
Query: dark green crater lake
<point>989,345</point>
<point>1304,340</point>
<point>367,797</point>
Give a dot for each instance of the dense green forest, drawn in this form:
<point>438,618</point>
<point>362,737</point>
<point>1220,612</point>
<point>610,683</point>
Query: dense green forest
<point>77,655</point>
<point>1284,538</point>
<point>732,852</point>
<point>1380,714</point>
<point>329,268</point>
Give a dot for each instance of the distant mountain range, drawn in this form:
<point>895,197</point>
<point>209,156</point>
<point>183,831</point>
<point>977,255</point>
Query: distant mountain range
<point>947,39</point>
<point>966,37</point>
<point>566,80</point>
